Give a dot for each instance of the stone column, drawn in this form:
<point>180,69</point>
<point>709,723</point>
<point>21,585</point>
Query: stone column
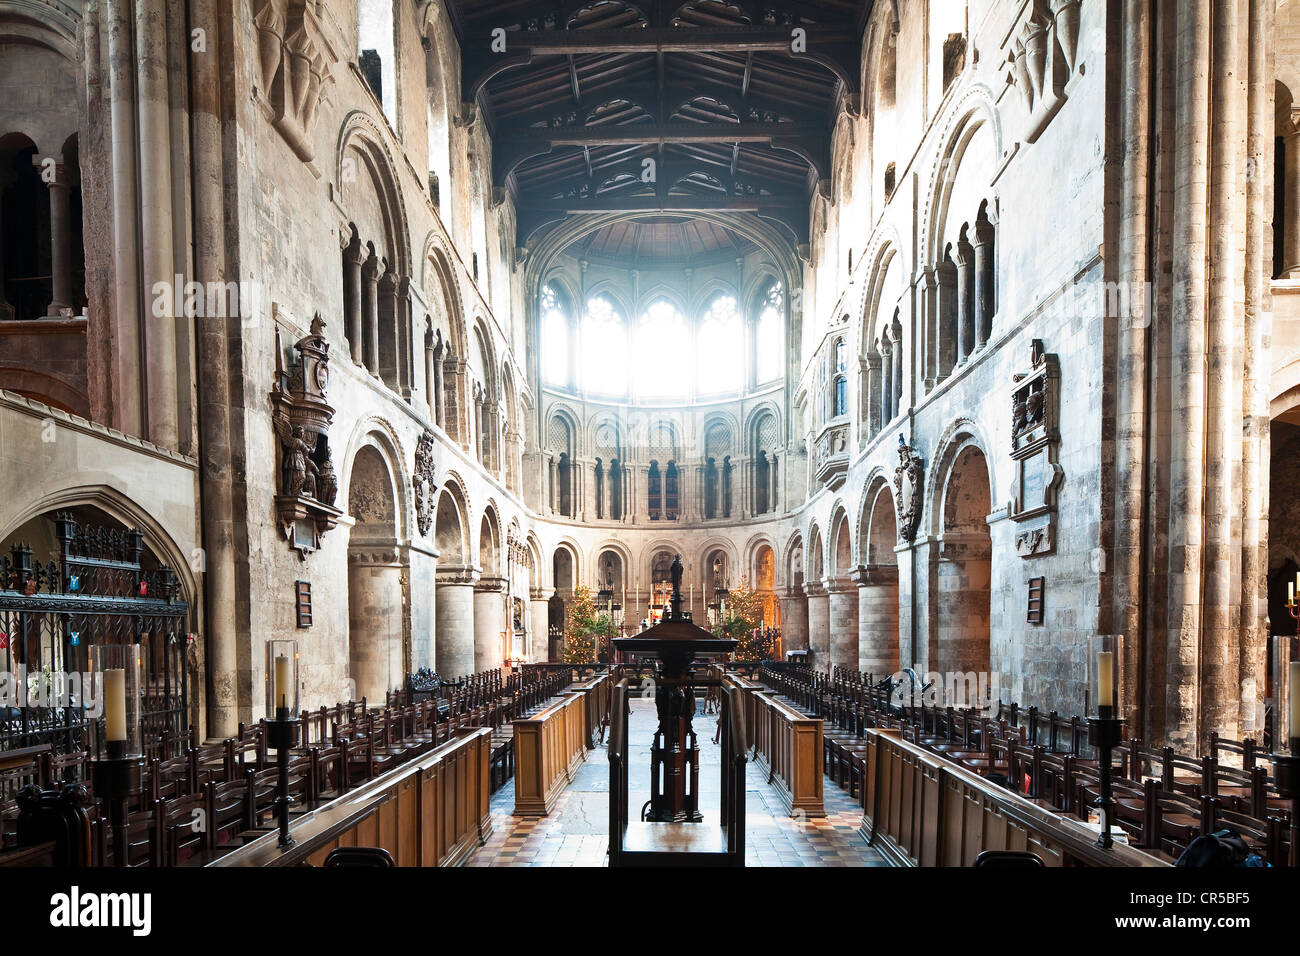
<point>60,232</point>
<point>370,311</point>
<point>877,619</point>
<point>819,634</point>
<point>454,621</point>
<point>963,257</point>
<point>886,382</point>
<point>489,622</point>
<point>897,404</point>
<point>353,256</point>
<point>540,612</point>
<point>374,623</point>
<point>157,216</point>
<point>842,611</point>
<point>870,366</point>
<point>794,619</point>
<point>983,282</point>
<point>405,350</point>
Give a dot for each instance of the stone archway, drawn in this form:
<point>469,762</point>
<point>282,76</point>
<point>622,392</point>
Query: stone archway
<point>819,623</point>
<point>877,579</point>
<point>376,579</point>
<point>964,568</point>
<point>794,602</point>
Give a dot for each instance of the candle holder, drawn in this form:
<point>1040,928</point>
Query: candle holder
<point>1105,731</point>
<point>117,770</point>
<point>282,731</point>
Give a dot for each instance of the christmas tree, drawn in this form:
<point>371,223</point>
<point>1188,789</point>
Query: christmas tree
<point>586,630</point>
<point>743,623</point>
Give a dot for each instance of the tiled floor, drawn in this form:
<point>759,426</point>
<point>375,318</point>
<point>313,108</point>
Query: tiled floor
<point>575,833</point>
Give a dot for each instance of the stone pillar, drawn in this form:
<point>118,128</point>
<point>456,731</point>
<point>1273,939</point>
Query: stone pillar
<point>819,634</point>
<point>963,257</point>
<point>897,404</point>
<point>877,619</point>
<point>374,623</point>
<point>489,622</point>
<point>842,611</point>
<point>370,312</point>
<point>60,232</point>
<point>540,613</point>
<point>353,256</point>
<point>454,622</point>
<point>794,619</point>
<point>887,382</point>
<point>983,282</point>
<point>157,215</point>
<point>405,350</point>
<point>389,354</point>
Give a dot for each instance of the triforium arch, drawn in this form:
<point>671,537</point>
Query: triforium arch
<point>447,355</point>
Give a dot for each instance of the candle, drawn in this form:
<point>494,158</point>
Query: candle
<point>1105,678</point>
<point>115,704</point>
<point>1290,593</point>
<point>1294,691</point>
<point>281,681</point>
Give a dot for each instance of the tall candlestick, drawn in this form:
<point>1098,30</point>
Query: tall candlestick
<point>1295,700</point>
<point>1105,678</point>
<point>281,688</point>
<point>115,704</point>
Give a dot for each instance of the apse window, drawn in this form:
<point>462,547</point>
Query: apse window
<point>719,350</point>
<point>768,338</point>
<point>555,337</point>
<point>663,346</point>
<point>604,348</point>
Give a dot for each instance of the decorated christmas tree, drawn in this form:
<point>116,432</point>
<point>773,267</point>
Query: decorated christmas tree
<point>586,630</point>
<point>743,623</point>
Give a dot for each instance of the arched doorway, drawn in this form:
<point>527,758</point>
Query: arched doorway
<point>878,639</point>
<point>564,568</point>
<point>794,602</point>
<point>375,579</point>
<point>964,567</point>
<point>819,623</point>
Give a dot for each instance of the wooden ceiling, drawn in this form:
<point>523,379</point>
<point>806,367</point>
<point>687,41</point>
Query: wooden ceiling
<point>660,106</point>
<point>659,238</point>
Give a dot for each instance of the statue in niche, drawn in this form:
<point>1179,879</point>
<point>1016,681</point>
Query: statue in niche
<point>718,572</point>
<point>327,484</point>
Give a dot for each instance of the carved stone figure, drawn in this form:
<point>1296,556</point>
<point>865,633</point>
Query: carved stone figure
<point>422,482</point>
<point>908,489</point>
<point>299,471</point>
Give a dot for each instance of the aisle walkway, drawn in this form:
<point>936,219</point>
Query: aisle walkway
<point>575,833</point>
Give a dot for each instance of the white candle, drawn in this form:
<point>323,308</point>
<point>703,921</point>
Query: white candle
<point>1295,699</point>
<point>281,689</point>
<point>115,704</point>
<point>1290,592</point>
<point>1105,678</point>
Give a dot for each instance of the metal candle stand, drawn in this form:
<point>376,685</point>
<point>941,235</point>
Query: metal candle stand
<point>1105,733</point>
<point>116,776</point>
<point>282,734</point>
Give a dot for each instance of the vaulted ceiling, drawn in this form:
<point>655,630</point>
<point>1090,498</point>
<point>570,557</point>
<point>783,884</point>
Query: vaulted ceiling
<point>660,106</point>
